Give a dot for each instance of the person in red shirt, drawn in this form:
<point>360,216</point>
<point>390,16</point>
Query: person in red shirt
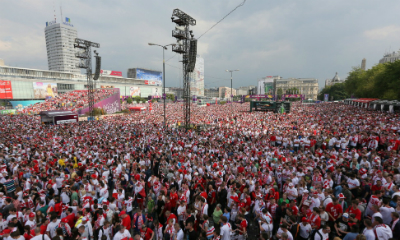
<point>146,233</point>
<point>173,197</point>
<point>334,209</point>
<point>126,220</point>
<point>170,216</point>
<point>315,219</point>
<point>354,210</point>
<point>71,218</point>
<point>58,206</point>
<point>43,227</point>
<point>292,205</point>
<point>241,228</point>
<point>240,168</point>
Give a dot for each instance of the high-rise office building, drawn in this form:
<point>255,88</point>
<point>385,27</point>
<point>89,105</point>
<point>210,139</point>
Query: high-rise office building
<point>363,64</point>
<point>60,38</point>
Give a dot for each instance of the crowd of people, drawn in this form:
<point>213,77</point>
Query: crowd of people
<point>324,171</point>
<point>73,101</point>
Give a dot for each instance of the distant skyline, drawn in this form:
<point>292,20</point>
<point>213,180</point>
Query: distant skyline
<point>292,39</point>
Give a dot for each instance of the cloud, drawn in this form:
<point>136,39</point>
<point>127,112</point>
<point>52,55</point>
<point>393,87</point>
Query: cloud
<point>381,33</point>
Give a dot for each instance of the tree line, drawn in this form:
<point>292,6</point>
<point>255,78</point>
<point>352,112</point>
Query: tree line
<point>382,81</point>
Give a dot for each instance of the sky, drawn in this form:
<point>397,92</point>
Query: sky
<point>289,38</point>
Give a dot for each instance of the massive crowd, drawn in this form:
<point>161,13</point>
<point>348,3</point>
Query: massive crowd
<point>73,100</point>
<point>325,171</point>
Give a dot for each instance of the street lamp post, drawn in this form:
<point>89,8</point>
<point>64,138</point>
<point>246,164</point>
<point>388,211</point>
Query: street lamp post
<point>231,71</point>
<point>164,95</point>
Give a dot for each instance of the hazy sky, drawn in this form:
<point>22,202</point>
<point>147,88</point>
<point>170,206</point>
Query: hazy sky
<point>290,38</point>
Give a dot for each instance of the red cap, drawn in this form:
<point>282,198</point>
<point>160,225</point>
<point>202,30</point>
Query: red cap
<point>6,231</point>
<point>304,219</point>
<point>94,175</point>
<point>31,214</point>
<point>64,220</point>
<point>122,213</point>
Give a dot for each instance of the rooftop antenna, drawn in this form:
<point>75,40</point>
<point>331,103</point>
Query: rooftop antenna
<point>61,10</point>
<point>54,8</point>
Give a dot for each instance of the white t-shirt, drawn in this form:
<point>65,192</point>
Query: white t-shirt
<point>51,228</point>
<point>120,236</point>
<point>386,214</point>
<point>280,231</point>
<point>305,231</point>
<point>179,235</point>
<point>40,237</point>
<point>225,232</point>
<point>369,234</point>
<point>325,236</point>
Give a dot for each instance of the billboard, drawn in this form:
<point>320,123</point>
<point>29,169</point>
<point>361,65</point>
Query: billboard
<point>110,105</point>
<point>110,73</point>
<point>24,104</point>
<point>266,86</point>
<point>326,97</point>
<point>151,77</point>
<point>44,90</point>
<point>5,90</point>
<point>105,86</point>
<point>135,92</point>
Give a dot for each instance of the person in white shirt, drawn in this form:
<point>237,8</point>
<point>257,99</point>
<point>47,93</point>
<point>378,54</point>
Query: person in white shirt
<point>52,226</point>
<point>305,228</point>
<point>105,230</point>
<point>225,229</point>
<point>122,233</point>
<point>386,212</point>
<point>368,231</point>
<point>323,233</point>
<point>283,230</point>
<point>178,232</point>
<point>383,231</point>
<point>39,236</point>
<point>291,192</point>
<point>88,231</point>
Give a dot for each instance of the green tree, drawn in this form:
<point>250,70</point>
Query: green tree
<point>279,93</point>
<point>129,100</point>
<point>336,92</point>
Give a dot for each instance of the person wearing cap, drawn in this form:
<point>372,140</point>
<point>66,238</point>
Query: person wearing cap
<point>125,220</point>
<point>146,233</point>
<point>65,227</point>
<point>342,225</point>
<point>31,221</point>
<point>304,229</point>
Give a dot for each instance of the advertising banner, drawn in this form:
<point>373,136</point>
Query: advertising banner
<point>110,105</point>
<point>5,90</point>
<point>44,90</point>
<point>259,96</point>
<point>326,97</point>
<point>104,86</point>
<point>135,92</point>
<point>7,111</point>
<point>156,92</point>
<point>152,77</point>
<point>24,104</point>
<point>110,73</point>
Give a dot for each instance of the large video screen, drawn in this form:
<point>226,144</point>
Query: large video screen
<point>152,77</point>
